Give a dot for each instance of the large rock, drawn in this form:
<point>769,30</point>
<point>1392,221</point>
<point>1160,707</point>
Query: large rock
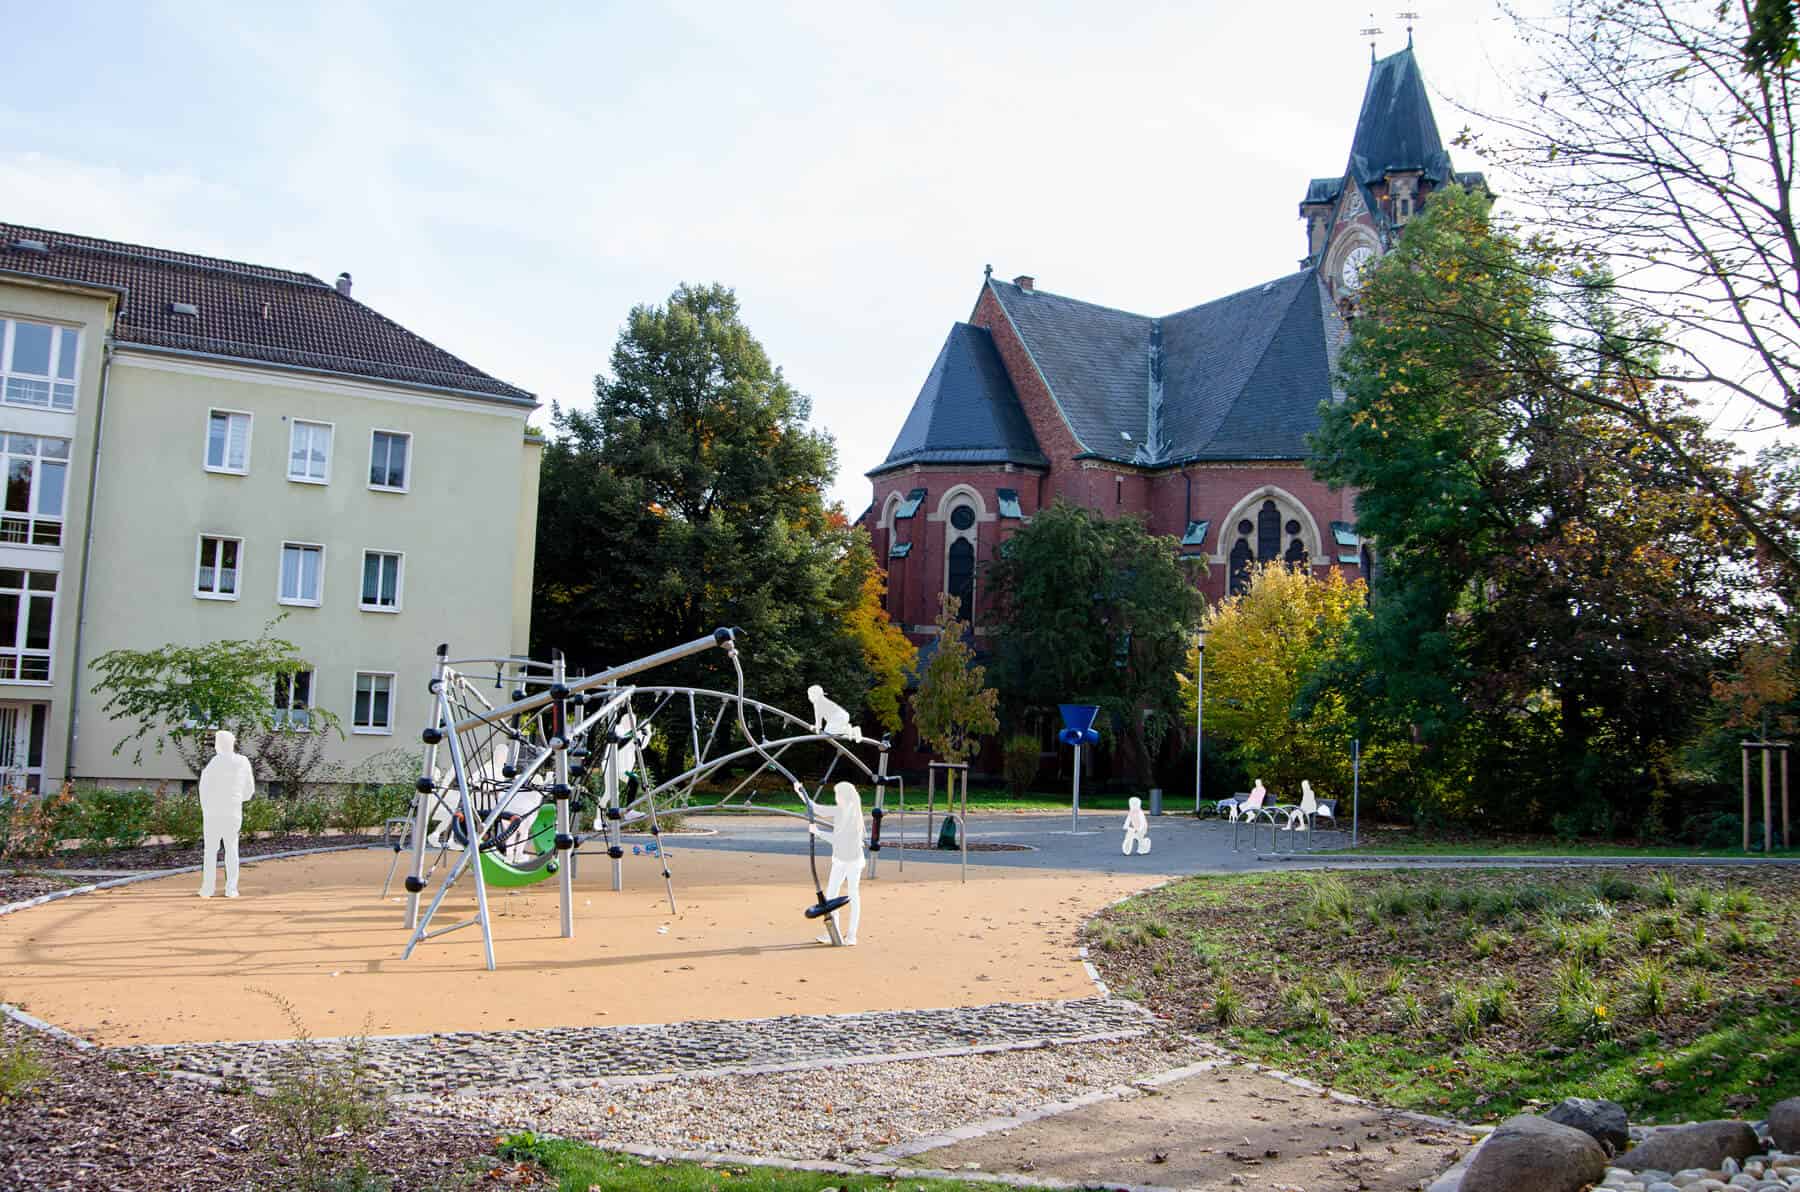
<point>1784,1124</point>
<point>1603,1121</point>
<point>1704,1144</point>
<point>1533,1152</point>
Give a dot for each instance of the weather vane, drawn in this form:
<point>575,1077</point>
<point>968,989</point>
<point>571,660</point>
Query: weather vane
<point>1409,18</point>
<point>1372,32</point>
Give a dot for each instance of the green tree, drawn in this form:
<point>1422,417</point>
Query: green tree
<point>1263,647</point>
<point>689,497</point>
<point>1094,610</point>
<point>1547,571</point>
<point>953,707</point>
<point>172,690</point>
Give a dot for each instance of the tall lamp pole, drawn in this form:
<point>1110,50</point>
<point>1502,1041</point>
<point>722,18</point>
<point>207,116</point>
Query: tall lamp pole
<point>1199,710</point>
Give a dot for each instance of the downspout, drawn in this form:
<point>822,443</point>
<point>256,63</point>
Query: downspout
<point>87,551</point>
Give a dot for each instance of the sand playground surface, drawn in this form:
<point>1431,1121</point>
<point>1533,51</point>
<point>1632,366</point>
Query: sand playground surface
<point>152,963</point>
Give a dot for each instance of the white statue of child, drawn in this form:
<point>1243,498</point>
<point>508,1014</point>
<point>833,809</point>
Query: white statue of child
<point>226,784</point>
<point>829,718</point>
<point>846,836</point>
<point>1137,827</point>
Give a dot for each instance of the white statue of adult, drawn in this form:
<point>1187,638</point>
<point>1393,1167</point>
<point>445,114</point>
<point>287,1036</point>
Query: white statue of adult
<point>1137,827</point>
<point>829,718</point>
<point>226,784</point>
<point>846,836</point>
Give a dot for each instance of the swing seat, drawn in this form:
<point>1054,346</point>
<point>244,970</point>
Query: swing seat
<point>825,906</point>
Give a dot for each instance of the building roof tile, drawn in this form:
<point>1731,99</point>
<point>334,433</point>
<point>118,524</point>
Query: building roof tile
<point>967,411</point>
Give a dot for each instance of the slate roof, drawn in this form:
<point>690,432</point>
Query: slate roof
<point>967,411</point>
<point>246,312</point>
<point>1396,130</point>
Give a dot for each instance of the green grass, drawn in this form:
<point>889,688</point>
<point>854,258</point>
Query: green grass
<point>1407,846</point>
<point>991,800</point>
<point>578,1167</point>
<point>1518,990</point>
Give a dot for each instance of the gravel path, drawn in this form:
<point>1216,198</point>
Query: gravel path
<point>479,1059</point>
<point>825,1113</point>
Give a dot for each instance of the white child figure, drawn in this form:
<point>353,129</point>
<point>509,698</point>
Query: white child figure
<point>226,784</point>
<point>829,718</point>
<point>1137,827</point>
<point>846,836</point>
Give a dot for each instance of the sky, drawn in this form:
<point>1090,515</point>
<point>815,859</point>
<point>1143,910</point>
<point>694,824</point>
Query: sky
<point>509,185</point>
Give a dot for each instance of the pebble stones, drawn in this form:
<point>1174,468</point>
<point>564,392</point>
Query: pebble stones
<point>1771,1171</point>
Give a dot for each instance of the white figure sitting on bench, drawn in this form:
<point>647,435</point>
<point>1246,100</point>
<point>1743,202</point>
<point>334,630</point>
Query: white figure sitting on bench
<point>1137,827</point>
<point>829,718</point>
<point>846,836</point>
<point>226,784</point>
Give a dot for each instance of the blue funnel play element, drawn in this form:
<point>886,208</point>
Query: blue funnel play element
<point>1079,722</point>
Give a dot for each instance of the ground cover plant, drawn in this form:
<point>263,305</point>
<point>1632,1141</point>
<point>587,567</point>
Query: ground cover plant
<point>1389,839</point>
<point>1485,993</point>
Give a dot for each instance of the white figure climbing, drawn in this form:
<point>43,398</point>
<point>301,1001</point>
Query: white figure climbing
<point>846,836</point>
<point>226,784</point>
<point>829,718</point>
<point>1137,827</point>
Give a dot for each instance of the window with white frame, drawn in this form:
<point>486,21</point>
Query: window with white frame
<point>293,699</point>
<point>302,573</point>
<point>381,581</point>
<point>27,614</point>
<point>216,571</point>
<point>390,461</point>
<point>36,468</point>
<point>227,441</point>
<point>309,452</point>
<point>37,364</point>
<point>373,711</point>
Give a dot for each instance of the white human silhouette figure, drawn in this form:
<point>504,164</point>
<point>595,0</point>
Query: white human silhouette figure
<point>226,784</point>
<point>1309,806</point>
<point>846,836</point>
<point>830,718</point>
<point>1137,828</point>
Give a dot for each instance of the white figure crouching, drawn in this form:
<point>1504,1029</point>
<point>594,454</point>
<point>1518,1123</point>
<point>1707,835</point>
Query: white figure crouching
<point>226,784</point>
<point>829,718</point>
<point>1137,828</point>
<point>846,836</point>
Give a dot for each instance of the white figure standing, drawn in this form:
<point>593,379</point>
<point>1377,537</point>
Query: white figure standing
<point>226,784</point>
<point>846,836</point>
<point>1137,828</point>
<point>830,718</point>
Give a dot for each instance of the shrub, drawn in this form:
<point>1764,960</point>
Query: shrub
<point>179,817</point>
<point>1019,763</point>
<point>261,814</point>
<point>32,825</point>
<point>316,1099</point>
<point>21,1070</point>
<point>1666,892</point>
<point>107,820</point>
<point>307,814</point>
<point>1228,1004</point>
<point>1702,903</point>
<point>1737,903</point>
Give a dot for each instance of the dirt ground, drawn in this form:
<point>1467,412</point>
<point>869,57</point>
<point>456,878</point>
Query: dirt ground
<point>1220,1130</point>
<point>151,963</point>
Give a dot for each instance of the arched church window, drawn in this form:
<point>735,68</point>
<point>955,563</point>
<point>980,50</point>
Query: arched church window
<point>1296,552</point>
<point>962,517</point>
<point>1268,532</point>
<point>1241,558</point>
<point>960,582</point>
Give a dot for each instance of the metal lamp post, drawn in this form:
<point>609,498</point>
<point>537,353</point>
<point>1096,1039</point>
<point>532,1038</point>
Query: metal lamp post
<point>1199,710</point>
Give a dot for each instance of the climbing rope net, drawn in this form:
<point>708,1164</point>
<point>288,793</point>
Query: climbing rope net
<point>507,788</point>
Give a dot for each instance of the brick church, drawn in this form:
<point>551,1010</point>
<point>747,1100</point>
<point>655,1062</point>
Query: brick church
<point>1196,420</point>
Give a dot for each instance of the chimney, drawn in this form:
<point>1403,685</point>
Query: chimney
<point>343,284</point>
<point>1025,282</point>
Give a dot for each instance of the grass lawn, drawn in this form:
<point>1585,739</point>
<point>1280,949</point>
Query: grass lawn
<point>579,1168</point>
<point>1404,842</point>
<point>1481,994</point>
<point>985,799</point>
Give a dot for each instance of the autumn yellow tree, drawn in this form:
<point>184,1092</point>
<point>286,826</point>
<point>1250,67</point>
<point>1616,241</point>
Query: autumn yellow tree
<point>886,653</point>
<point>1262,647</point>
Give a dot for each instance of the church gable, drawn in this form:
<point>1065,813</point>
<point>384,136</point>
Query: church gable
<point>967,412</point>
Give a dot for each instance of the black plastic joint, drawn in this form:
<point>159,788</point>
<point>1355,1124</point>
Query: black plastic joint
<point>518,693</point>
<point>613,813</point>
<point>878,813</point>
<point>551,867</point>
<point>424,786</point>
<point>564,842</point>
<point>509,771</point>
<point>558,743</point>
<point>559,791</point>
<point>431,736</point>
<point>722,635</point>
<point>874,848</point>
<point>615,852</point>
<point>414,885</point>
<point>656,829</point>
<point>577,771</point>
<point>558,691</point>
<point>432,685</point>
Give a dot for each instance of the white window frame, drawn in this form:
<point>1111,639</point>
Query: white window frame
<point>399,583</point>
<point>400,434</point>
<point>32,522</point>
<point>8,324</point>
<point>330,428</point>
<point>200,541</point>
<point>284,717</point>
<point>19,651</point>
<point>206,440</point>
<point>371,730</point>
<point>296,602</point>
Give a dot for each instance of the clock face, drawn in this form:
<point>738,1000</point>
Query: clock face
<point>1356,262</point>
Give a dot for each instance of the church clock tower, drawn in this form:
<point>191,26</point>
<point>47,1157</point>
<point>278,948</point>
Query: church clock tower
<point>1396,161</point>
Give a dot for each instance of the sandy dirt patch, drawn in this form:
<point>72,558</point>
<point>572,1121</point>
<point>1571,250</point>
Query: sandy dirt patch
<point>151,963</point>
